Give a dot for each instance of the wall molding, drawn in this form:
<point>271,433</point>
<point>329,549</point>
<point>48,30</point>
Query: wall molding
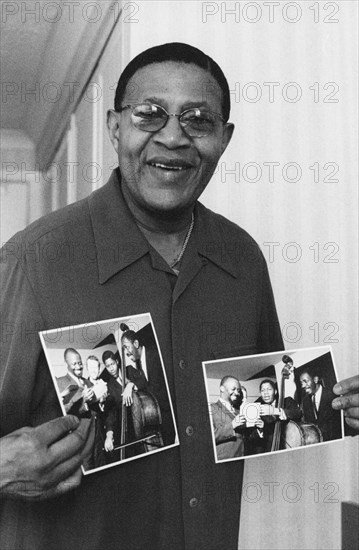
<point>52,120</point>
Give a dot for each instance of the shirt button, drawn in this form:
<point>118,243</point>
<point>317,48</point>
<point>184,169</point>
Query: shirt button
<point>182,364</point>
<point>189,430</point>
<point>193,502</point>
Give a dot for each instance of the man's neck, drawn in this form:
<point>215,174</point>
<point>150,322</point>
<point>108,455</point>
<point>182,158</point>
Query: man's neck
<point>164,223</point>
<point>166,232</point>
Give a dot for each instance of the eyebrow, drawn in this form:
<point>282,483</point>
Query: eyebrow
<point>185,106</point>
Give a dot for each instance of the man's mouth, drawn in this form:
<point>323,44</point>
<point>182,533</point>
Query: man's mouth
<point>175,165</point>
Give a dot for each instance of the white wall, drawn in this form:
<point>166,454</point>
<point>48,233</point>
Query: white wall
<point>310,226</point>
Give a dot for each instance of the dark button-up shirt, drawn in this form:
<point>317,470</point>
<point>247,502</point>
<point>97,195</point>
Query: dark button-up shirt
<point>89,262</point>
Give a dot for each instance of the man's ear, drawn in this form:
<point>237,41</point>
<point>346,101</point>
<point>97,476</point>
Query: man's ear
<point>227,135</point>
<point>136,343</point>
<point>113,128</point>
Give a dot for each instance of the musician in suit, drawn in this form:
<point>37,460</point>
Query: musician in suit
<point>76,391</point>
<point>147,374</point>
<point>113,414</point>
<point>260,440</point>
<point>228,423</point>
<point>317,407</point>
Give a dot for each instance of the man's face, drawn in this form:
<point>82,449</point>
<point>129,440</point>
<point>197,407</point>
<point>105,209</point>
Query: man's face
<point>307,383</point>
<point>232,392</point>
<point>74,363</point>
<point>112,367</point>
<point>166,171</point>
<point>93,368</point>
<point>267,393</point>
<point>132,349</point>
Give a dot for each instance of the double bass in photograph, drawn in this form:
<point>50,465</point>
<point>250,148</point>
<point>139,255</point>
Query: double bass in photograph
<point>290,434</point>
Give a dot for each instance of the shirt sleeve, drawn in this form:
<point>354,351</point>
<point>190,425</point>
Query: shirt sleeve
<point>269,333</point>
<point>22,360</point>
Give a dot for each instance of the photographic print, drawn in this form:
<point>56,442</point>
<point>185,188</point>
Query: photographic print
<point>112,372</point>
<point>272,402</point>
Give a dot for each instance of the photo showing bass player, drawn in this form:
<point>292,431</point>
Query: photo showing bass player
<point>291,411</point>
<point>261,439</point>
<point>119,396</point>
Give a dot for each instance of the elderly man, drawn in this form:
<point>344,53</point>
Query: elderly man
<point>145,243</point>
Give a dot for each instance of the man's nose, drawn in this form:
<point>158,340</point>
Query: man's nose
<point>172,134</point>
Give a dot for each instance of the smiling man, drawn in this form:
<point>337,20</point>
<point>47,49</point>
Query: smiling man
<point>229,425</point>
<point>76,391</point>
<point>148,246</point>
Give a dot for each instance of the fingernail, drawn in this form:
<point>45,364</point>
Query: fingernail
<point>337,403</point>
<point>338,388</point>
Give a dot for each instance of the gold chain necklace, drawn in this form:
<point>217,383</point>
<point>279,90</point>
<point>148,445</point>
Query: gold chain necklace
<point>179,257</point>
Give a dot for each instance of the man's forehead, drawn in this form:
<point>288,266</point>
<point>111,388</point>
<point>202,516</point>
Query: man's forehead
<point>233,383</point>
<point>166,82</point>
<point>74,356</point>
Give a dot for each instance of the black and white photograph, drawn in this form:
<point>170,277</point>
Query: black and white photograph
<point>197,161</point>
<point>112,373</point>
<point>272,402</point>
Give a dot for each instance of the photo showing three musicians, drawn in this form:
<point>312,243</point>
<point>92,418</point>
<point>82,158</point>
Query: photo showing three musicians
<point>272,402</point>
<point>111,372</point>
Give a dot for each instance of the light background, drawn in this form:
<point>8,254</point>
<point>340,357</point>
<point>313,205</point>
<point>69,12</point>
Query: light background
<point>307,229</point>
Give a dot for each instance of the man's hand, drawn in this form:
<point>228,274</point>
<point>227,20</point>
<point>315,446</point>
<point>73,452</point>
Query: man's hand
<point>238,421</point>
<point>43,462</point>
<point>109,446</point>
<point>127,394</point>
<point>267,410</point>
<point>348,389</point>
<point>89,395</point>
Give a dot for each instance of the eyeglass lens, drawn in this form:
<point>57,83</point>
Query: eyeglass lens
<point>151,118</point>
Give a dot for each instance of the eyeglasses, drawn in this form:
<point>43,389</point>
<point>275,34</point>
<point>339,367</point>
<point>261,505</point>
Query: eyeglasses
<point>148,117</point>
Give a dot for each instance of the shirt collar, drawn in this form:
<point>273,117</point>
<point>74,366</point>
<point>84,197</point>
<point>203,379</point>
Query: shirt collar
<point>318,395</point>
<point>119,242</point>
<point>212,240</point>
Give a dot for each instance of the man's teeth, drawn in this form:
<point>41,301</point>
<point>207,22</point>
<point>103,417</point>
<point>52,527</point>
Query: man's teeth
<point>166,167</point>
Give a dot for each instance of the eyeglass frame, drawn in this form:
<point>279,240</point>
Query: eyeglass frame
<point>133,105</point>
